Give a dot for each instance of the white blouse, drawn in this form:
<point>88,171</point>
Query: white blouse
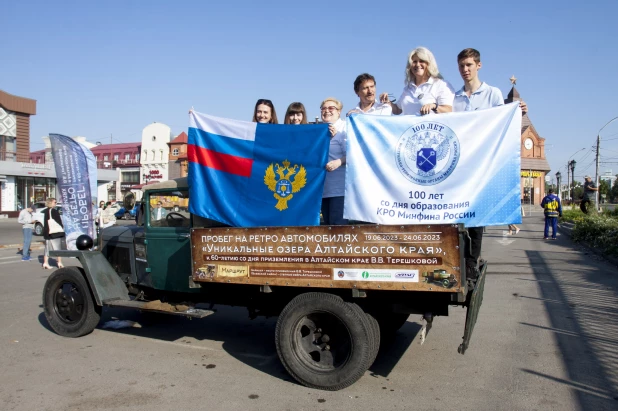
<point>435,90</point>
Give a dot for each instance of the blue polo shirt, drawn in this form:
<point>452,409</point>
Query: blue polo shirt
<point>485,97</point>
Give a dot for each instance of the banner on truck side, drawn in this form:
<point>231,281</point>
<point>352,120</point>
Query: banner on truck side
<point>440,169</point>
<point>425,258</point>
<point>74,172</point>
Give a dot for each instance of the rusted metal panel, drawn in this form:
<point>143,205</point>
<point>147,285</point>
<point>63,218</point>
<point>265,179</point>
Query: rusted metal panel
<point>415,258</point>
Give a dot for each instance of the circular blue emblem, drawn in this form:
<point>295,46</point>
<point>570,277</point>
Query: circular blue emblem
<point>427,153</point>
<point>283,187</point>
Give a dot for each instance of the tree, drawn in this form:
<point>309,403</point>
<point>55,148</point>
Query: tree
<point>614,193</point>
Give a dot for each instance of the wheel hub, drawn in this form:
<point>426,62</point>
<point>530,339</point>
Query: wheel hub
<point>69,303</point>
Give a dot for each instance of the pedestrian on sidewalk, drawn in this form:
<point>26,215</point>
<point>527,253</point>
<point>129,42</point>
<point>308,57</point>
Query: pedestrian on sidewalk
<point>553,209</point>
<point>25,218</point>
<point>589,196</point>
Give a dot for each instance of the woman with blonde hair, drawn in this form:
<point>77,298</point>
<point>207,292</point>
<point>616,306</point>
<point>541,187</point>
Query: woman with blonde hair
<point>264,112</point>
<point>334,184</point>
<point>295,114</point>
<point>425,90</point>
<point>53,232</point>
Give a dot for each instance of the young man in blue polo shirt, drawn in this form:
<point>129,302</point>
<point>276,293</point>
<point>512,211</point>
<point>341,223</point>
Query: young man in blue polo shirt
<point>475,95</point>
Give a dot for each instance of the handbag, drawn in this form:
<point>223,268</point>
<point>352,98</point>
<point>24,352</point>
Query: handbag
<point>54,227</point>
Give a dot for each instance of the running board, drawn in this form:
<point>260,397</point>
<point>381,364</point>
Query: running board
<point>162,308</point>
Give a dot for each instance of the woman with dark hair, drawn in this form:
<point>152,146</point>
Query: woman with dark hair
<point>264,112</point>
<point>296,114</point>
<point>53,232</point>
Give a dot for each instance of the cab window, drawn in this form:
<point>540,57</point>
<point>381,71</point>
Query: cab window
<point>169,209</point>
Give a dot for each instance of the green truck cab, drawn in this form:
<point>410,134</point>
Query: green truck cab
<point>333,308</point>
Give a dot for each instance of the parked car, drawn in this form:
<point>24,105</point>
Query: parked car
<point>37,218</point>
<point>127,214</point>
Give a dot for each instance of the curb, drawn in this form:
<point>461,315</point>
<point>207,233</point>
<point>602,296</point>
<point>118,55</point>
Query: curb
<point>567,228</point>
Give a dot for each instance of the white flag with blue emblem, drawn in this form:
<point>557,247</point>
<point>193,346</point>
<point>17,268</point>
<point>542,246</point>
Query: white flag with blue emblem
<point>439,169</point>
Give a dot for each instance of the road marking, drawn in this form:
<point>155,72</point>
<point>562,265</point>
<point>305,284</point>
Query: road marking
<point>6,258</point>
<point>11,262</point>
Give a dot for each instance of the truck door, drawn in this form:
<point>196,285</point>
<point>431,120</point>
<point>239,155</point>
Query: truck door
<point>168,247</point>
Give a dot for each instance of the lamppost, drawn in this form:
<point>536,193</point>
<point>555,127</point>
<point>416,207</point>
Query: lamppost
<point>596,179</point>
<point>570,175</point>
<point>558,177</point>
<point>146,178</point>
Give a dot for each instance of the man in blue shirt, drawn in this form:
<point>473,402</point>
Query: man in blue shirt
<point>552,209</point>
<point>475,95</point>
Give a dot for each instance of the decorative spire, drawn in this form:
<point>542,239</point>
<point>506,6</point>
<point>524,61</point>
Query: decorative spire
<point>513,80</point>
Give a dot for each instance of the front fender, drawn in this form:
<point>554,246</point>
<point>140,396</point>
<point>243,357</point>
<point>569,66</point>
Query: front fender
<point>104,282</point>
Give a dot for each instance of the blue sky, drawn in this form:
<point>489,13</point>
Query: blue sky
<point>113,67</point>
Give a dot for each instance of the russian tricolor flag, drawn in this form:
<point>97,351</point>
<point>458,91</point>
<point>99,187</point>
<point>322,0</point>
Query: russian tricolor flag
<point>240,173</point>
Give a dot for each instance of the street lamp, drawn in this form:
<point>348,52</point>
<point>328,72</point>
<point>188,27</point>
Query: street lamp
<point>558,177</point>
<point>570,169</point>
<point>596,179</point>
<point>146,177</point>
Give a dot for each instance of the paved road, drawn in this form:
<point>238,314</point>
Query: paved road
<point>547,338</point>
<point>11,232</point>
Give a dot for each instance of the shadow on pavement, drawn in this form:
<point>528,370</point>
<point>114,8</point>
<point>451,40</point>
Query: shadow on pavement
<point>582,308</point>
<point>249,341</point>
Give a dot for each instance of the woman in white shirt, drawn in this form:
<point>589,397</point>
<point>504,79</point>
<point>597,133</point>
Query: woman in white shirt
<point>334,184</point>
<point>425,90</point>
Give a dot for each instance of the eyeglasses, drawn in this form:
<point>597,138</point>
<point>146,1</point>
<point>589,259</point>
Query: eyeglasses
<point>329,108</point>
<point>263,101</point>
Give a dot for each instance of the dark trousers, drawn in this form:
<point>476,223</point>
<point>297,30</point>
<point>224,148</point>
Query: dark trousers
<point>472,250</point>
<point>332,211</point>
<point>584,206</point>
<point>553,221</point>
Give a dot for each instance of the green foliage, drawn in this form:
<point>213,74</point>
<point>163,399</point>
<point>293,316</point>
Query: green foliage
<point>598,230</point>
<point>572,216</point>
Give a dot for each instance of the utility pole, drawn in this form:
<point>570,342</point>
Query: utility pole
<point>597,195</point>
<point>568,193</point>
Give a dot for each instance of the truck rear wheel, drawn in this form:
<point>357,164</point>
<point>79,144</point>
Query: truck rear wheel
<point>68,303</point>
<point>374,328</point>
<point>323,342</point>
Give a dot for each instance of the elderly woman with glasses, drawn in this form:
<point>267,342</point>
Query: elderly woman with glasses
<point>296,114</point>
<point>264,112</point>
<point>425,90</point>
<point>334,184</point>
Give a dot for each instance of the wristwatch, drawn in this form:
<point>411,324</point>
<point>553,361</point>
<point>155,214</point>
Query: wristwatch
<point>436,109</point>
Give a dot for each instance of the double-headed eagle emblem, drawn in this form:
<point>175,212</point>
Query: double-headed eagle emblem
<point>283,187</point>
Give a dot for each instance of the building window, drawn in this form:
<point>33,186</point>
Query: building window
<point>130,177</point>
<point>175,152</point>
<point>137,157</point>
<point>105,157</point>
<point>116,157</point>
<point>127,156</point>
<point>153,155</point>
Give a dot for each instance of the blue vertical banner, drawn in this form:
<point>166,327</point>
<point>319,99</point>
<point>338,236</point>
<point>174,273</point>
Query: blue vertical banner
<point>74,187</point>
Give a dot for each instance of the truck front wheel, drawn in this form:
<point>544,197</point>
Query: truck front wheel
<point>323,342</point>
<point>68,303</point>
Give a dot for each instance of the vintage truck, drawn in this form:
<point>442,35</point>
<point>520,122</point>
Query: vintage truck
<point>335,289</point>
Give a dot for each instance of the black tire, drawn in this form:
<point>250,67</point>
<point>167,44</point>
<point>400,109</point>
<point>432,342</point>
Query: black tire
<point>331,363</point>
<point>374,327</point>
<point>68,303</point>
<point>38,229</point>
<point>127,216</point>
